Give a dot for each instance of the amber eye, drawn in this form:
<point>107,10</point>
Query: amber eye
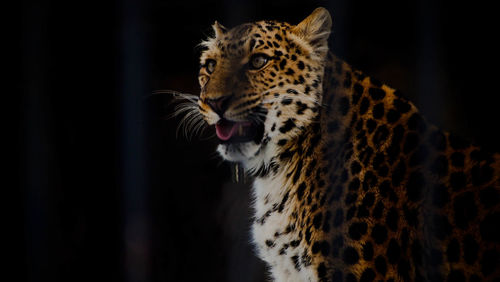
<point>258,61</point>
<point>210,65</point>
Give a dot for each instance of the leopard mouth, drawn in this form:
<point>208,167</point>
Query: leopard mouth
<point>239,132</point>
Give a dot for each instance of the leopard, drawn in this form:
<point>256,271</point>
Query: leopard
<point>350,181</point>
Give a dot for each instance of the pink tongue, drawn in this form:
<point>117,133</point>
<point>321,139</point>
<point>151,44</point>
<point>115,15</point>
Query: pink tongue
<point>225,131</point>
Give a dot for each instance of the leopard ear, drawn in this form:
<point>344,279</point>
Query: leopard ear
<point>218,29</point>
<point>316,28</point>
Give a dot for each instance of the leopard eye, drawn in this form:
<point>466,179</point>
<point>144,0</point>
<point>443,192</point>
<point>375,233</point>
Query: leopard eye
<point>210,65</point>
<point>258,61</point>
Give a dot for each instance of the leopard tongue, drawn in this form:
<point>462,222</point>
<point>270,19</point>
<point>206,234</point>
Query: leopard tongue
<point>226,130</point>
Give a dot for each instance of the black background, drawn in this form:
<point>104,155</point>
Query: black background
<point>106,192</point>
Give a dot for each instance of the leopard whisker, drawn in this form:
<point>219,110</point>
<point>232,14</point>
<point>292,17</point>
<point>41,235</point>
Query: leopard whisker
<point>182,108</point>
<point>176,94</point>
<point>199,127</point>
<point>206,137</point>
<point>190,120</point>
<point>192,123</point>
<point>196,125</point>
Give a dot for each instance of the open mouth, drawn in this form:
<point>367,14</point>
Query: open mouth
<point>238,132</point>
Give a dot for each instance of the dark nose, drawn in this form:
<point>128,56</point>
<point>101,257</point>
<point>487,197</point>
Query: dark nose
<point>219,105</point>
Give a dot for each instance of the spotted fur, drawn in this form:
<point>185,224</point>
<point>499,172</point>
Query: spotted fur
<point>351,182</point>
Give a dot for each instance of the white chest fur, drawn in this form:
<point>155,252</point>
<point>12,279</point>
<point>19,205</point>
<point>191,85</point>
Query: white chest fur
<point>270,235</point>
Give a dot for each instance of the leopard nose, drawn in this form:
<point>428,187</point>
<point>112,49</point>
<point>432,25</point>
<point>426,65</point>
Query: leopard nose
<point>219,105</point>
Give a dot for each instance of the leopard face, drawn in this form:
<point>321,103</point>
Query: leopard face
<point>261,85</point>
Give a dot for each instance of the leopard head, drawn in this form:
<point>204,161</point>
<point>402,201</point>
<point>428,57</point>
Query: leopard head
<point>261,84</point>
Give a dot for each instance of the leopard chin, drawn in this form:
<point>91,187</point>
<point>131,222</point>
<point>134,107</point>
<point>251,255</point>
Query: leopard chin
<point>239,152</point>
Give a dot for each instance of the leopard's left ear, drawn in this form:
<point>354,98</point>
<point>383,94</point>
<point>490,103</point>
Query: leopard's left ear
<point>219,29</point>
<point>316,28</point>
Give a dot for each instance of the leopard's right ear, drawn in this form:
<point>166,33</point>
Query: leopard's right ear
<point>219,29</point>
